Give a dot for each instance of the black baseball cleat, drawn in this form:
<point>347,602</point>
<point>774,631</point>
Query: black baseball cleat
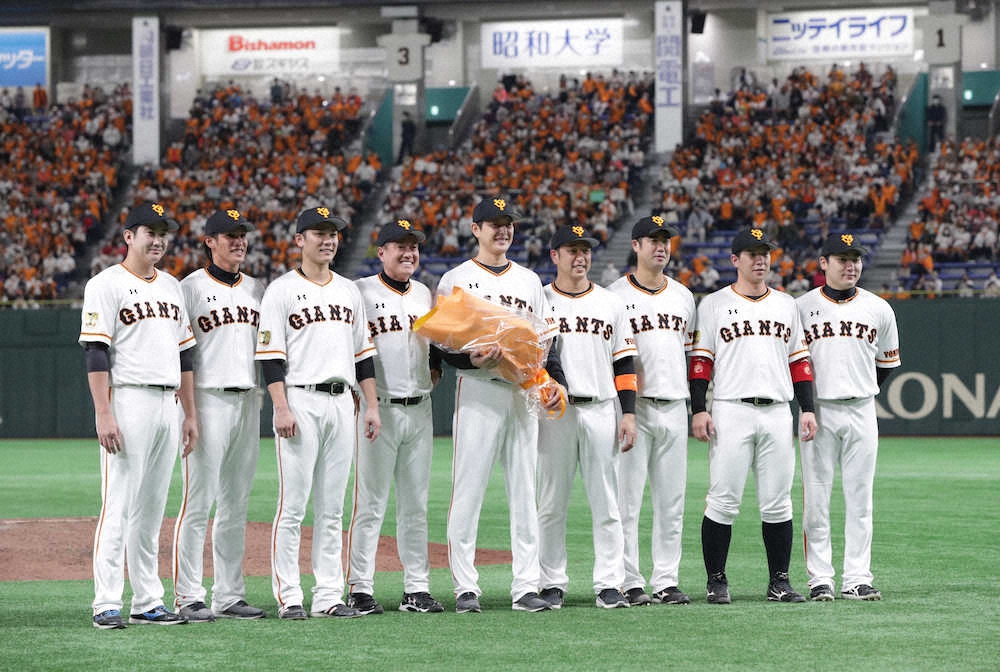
<point>157,616</point>
<point>293,612</point>
<point>467,603</point>
<point>862,592</point>
<point>110,619</point>
<point>530,602</point>
<point>821,593</point>
<point>421,603</point>
<point>780,590</point>
<point>554,596</point>
<point>611,598</point>
<point>671,595</point>
<point>637,597</point>
<point>364,603</point>
<point>241,610</point>
<point>718,589</point>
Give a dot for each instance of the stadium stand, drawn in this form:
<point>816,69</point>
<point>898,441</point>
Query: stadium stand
<point>58,167</point>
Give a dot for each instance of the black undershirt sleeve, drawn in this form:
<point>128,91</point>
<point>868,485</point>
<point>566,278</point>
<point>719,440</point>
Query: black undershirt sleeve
<point>804,395</point>
<point>365,369</point>
<point>459,360</point>
<point>626,366</point>
<point>553,363</point>
<point>187,359</point>
<point>273,370</point>
<point>434,359</point>
<point>97,357</point>
<point>699,395</point>
<point>882,374</point>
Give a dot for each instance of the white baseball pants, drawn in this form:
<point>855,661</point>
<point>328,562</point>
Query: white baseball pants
<point>757,438</point>
<point>492,423</point>
<point>660,453</point>
<point>585,435</point>
<point>318,460</point>
<point>402,455</point>
<point>848,437</point>
<point>218,471</point>
<point>134,487</point>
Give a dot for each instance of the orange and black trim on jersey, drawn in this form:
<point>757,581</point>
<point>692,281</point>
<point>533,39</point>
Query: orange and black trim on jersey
<point>835,301</point>
<point>490,270</point>
<point>307,279</point>
<point>105,457</point>
<point>146,280</point>
<point>180,519</point>
<point>277,517</point>
<point>224,284</point>
<point>743,296</point>
<point>572,296</point>
<point>645,290</point>
<point>354,506</point>
<point>393,289</point>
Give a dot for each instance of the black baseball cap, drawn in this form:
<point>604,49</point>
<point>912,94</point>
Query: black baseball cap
<point>319,218</point>
<point>397,230</point>
<point>752,239</point>
<point>841,243</point>
<point>565,235</point>
<point>492,207</point>
<point>226,221</point>
<point>647,226</point>
<point>149,213</point>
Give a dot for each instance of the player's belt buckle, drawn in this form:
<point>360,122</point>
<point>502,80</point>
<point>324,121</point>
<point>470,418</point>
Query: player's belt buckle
<point>757,401</point>
<point>328,388</point>
<point>407,401</point>
<point>164,388</point>
<point>573,399</point>
<point>657,400</point>
<point>237,390</point>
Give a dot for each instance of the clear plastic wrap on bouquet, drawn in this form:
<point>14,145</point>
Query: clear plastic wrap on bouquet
<point>462,322</point>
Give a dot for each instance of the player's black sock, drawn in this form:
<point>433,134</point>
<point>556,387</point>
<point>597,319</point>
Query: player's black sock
<point>715,538</point>
<point>778,544</point>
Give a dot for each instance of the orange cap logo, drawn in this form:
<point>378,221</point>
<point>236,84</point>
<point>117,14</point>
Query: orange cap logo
<point>578,230</point>
<point>404,223</point>
<point>233,214</point>
<point>848,239</point>
<point>657,220</point>
<point>757,233</point>
<point>158,209</point>
<point>325,212</point>
<point>500,203</point>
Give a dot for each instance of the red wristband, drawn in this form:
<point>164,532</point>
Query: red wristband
<point>700,368</point>
<point>802,371</point>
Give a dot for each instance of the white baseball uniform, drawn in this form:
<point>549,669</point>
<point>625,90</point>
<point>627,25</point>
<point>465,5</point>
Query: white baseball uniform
<point>320,331</point>
<point>221,467</point>
<point>593,334</point>
<point>145,324</point>
<point>403,451</point>
<point>847,341</point>
<point>661,324</point>
<point>751,342</point>
<point>493,422</point>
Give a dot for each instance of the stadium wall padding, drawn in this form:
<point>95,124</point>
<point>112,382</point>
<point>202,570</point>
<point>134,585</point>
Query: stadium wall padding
<point>949,383</point>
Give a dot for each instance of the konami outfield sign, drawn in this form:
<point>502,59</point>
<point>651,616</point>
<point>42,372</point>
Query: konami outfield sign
<point>269,51</point>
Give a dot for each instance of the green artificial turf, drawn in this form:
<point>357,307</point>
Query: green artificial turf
<point>933,558</point>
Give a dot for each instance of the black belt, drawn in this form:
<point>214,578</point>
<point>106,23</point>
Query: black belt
<point>657,400</point>
<point>573,399</point>
<point>329,388</point>
<point>758,401</point>
<point>238,390</point>
<point>407,401</point>
<point>165,388</point>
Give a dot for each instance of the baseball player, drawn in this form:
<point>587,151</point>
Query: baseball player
<point>134,325</point>
<point>314,345</point>
<point>403,451</point>
<point>224,306</point>
<point>661,319</point>
<point>750,343</point>
<point>493,420</point>
<point>847,329</point>
<point>595,342</point>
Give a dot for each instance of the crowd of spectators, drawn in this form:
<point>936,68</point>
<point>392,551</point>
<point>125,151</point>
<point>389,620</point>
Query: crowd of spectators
<point>269,158</point>
<point>796,154</point>
<point>58,166</point>
<point>956,224</point>
<point>570,156</point>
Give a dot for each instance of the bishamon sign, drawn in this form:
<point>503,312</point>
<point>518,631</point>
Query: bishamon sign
<point>269,51</point>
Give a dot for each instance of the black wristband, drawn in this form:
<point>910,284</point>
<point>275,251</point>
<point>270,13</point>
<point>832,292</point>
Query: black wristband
<point>97,357</point>
<point>882,374</point>
<point>699,395</point>
<point>364,369</point>
<point>627,400</point>
<point>804,395</point>
<point>273,370</point>
<point>187,360</point>
<point>553,364</point>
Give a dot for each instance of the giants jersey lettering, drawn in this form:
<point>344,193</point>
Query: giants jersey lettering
<point>144,322</point>
<point>225,320</point>
<point>401,365</point>
<point>662,326</point>
<point>516,288</point>
<point>319,330</point>
<point>593,333</point>
<point>845,339</point>
<point>752,343</point>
